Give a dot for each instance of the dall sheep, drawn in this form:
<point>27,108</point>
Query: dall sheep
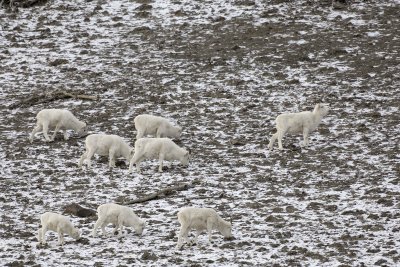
<point>119,216</point>
<point>201,219</point>
<point>156,126</point>
<point>61,119</point>
<point>158,148</point>
<point>57,223</point>
<point>303,122</point>
<point>112,146</point>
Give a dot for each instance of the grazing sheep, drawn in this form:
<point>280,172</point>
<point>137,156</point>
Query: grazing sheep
<point>303,122</point>
<point>60,119</point>
<point>156,126</point>
<point>57,223</point>
<point>119,216</point>
<point>201,219</point>
<point>112,146</point>
<point>158,148</point>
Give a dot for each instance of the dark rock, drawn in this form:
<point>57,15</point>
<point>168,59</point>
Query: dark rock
<point>15,264</point>
<point>353,212</point>
<point>314,206</point>
<point>77,210</point>
<point>381,262</point>
<point>144,7</point>
<point>83,241</point>
<point>149,256</point>
<point>291,209</point>
<point>57,62</point>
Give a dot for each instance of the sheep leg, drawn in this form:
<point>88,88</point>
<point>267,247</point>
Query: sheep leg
<point>136,159</point>
<point>130,165</point>
<point>115,229</point>
<point>45,131</point>
<point>83,157</point>
<point>280,136</point>
<point>118,225</point>
<point>37,129</point>
<point>66,135</point>
<point>161,159</point>
<point>41,236</point>
<point>121,227</point>
<point>159,132</point>
<point>111,157</point>
<point>103,228</point>
<point>305,137</point>
<point>139,134</point>
<point>194,240</point>
<point>272,140</point>
<point>60,236</point>
<point>138,165</point>
<point>96,225</point>
<point>133,161</point>
<point>58,126</point>
<point>183,236</point>
<point>209,230</point>
<point>89,157</point>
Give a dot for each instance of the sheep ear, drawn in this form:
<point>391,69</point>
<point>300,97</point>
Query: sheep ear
<point>317,106</point>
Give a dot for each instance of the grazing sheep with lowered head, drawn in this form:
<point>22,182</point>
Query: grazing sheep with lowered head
<point>158,148</point>
<point>118,215</point>
<point>157,126</point>
<point>201,219</point>
<point>61,119</point>
<point>112,146</point>
<point>303,122</point>
<point>57,223</point>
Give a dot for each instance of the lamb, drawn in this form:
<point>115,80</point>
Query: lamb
<point>106,145</point>
<point>201,219</point>
<point>157,126</point>
<point>303,122</point>
<point>119,216</point>
<point>158,148</point>
<point>57,223</point>
<point>61,119</point>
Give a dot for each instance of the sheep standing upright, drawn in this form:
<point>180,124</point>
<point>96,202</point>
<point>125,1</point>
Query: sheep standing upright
<point>303,122</point>
<point>118,215</point>
<point>112,146</point>
<point>61,119</point>
<point>158,148</point>
<point>201,219</point>
<point>156,126</point>
<point>57,223</point>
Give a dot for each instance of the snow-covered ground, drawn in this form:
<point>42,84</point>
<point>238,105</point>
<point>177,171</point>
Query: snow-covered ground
<point>223,70</point>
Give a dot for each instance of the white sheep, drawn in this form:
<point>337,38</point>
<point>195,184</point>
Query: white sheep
<point>201,219</point>
<point>157,126</point>
<point>303,122</point>
<point>158,148</point>
<point>112,146</point>
<point>119,216</point>
<point>61,119</point>
<point>57,223</point>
